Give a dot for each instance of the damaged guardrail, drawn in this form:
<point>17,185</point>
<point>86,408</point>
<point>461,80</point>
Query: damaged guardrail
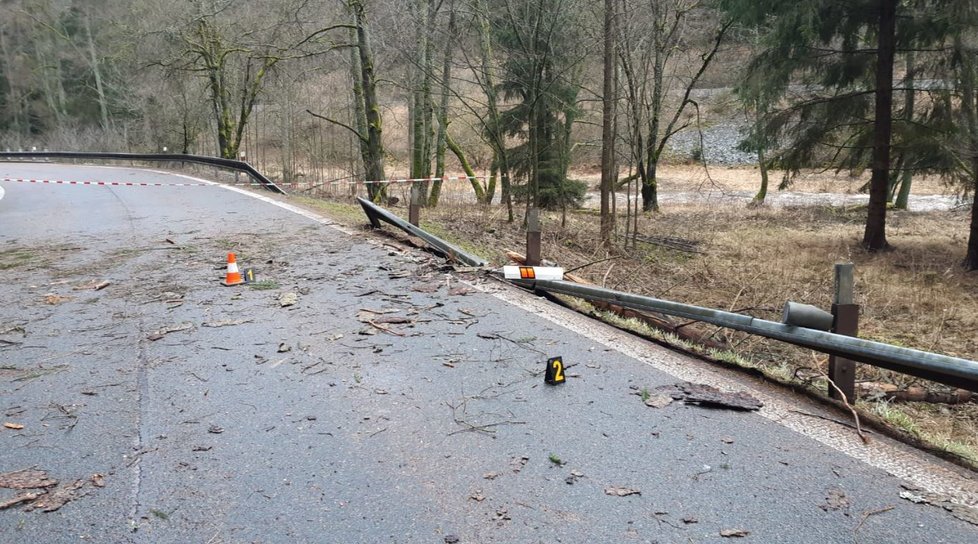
<point>376,214</point>
<point>944,369</point>
<point>230,164</point>
<point>953,371</point>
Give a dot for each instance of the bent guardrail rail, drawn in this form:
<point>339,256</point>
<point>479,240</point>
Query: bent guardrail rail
<point>149,157</point>
<point>944,369</point>
<point>376,214</point>
<point>953,371</point>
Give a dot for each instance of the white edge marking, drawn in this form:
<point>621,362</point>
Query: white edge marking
<point>284,205</point>
<point>895,458</point>
<point>1,192</point>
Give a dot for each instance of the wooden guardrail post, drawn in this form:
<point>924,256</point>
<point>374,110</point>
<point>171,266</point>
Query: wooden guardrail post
<point>842,371</point>
<point>533,237</point>
<point>414,207</point>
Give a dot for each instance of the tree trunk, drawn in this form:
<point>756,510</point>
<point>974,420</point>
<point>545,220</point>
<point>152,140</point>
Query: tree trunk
<point>97,73</point>
<point>650,190</point>
<point>874,237</point>
<point>903,196</point>
<point>496,137</point>
<point>971,260</point>
<point>359,110</point>
<point>446,76</point>
<point>480,193</point>
<point>969,111</point>
<point>418,77</point>
<point>608,125</point>
<point>373,160</point>
<point>762,192</point>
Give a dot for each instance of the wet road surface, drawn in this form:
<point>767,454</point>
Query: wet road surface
<point>394,401</point>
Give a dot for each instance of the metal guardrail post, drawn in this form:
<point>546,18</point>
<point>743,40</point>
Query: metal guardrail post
<point>842,371</point>
<point>533,237</point>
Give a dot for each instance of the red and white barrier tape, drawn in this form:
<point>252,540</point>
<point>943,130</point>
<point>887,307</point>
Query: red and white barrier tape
<point>410,180</point>
<point>113,183</point>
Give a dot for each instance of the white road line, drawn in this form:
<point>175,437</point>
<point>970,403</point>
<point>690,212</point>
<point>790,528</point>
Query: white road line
<point>895,458</point>
<point>1,192</point>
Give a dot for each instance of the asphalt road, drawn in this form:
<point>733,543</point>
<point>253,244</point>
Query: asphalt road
<point>394,401</point>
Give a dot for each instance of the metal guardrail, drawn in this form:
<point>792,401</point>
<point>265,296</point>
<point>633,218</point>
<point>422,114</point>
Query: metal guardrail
<point>149,157</point>
<point>944,369</point>
<point>376,214</point>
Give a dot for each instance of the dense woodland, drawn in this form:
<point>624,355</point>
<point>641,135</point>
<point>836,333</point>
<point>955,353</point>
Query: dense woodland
<point>527,91</point>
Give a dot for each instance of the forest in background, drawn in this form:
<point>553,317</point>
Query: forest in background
<point>526,91</point>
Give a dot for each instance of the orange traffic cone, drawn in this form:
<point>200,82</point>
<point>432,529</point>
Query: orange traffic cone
<point>233,276</point>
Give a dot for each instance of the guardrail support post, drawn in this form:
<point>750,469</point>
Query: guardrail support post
<point>843,371</point>
<point>533,257</point>
<point>414,208</point>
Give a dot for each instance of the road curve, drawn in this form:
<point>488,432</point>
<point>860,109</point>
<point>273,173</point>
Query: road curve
<point>364,393</point>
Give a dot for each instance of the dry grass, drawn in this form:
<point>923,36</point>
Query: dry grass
<point>755,259</point>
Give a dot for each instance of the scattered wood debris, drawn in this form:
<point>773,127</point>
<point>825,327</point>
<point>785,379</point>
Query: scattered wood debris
<point>26,479</point>
<point>734,533</point>
<point>658,401</point>
<point>671,242</point>
<point>58,497</point>
<point>167,330</point>
<point>13,426</point>
<point>517,464</point>
<point>615,491</point>
<point>888,391</point>
<point>288,299</point>
<point>45,493</point>
<point>707,395</point>
<point>94,285</point>
<point>54,299</point>
<point>225,323</point>
<point>836,500</point>
<point>20,499</point>
<point>960,511</point>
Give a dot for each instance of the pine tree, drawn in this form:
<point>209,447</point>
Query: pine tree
<point>828,68</point>
<point>538,73</point>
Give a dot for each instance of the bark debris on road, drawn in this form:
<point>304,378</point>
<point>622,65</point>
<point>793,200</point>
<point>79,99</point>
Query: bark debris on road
<point>358,391</point>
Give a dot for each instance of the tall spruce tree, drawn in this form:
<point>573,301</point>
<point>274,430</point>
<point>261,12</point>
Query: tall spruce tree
<point>540,41</point>
<point>963,143</point>
<point>828,66</point>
